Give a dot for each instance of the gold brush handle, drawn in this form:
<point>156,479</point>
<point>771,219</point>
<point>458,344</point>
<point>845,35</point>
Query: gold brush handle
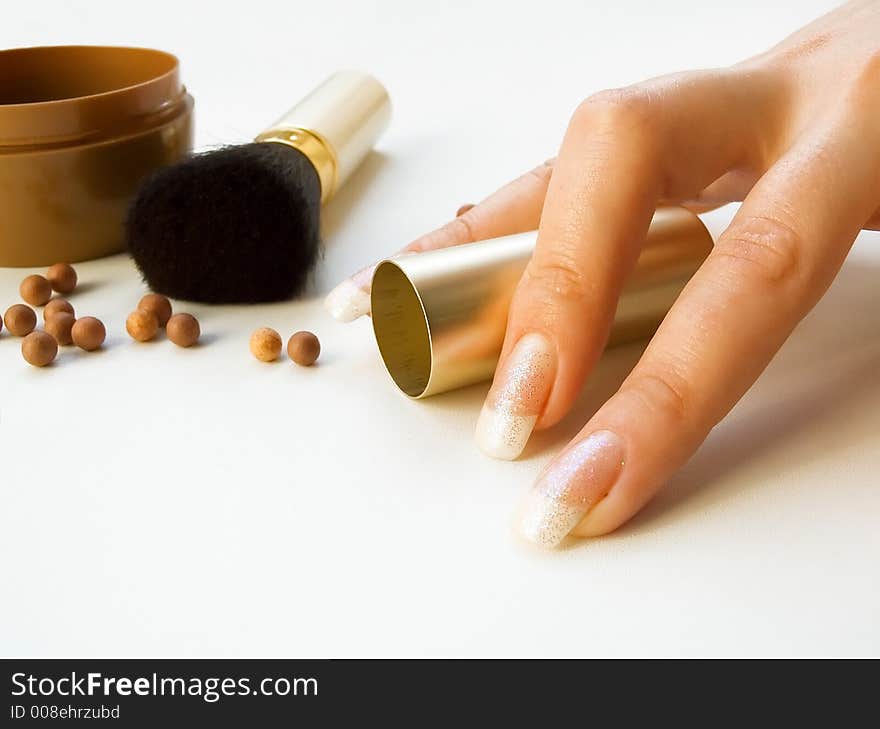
<point>335,126</point>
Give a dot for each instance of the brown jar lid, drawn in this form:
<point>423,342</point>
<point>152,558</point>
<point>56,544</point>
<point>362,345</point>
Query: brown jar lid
<point>80,127</point>
<point>59,94</point>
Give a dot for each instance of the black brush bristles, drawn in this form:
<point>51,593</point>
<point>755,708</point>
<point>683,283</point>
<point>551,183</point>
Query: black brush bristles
<point>235,225</point>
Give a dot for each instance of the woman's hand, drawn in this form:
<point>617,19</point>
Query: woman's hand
<point>793,133</point>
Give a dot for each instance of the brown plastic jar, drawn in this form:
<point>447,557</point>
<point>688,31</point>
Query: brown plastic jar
<point>80,127</point>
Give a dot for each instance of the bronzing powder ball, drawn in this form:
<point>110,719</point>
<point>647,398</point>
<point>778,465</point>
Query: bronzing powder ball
<point>183,330</point>
<point>158,306</point>
<point>88,333</point>
<point>20,320</point>
<point>265,344</point>
<point>142,325</point>
<point>57,306</point>
<point>62,277</point>
<point>60,327</point>
<point>304,348</point>
<point>36,290</point>
<point>39,349</point>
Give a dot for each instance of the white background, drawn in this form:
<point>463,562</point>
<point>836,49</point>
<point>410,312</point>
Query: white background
<point>161,501</point>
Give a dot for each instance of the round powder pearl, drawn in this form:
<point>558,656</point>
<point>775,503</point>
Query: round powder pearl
<point>62,277</point>
<point>57,306</point>
<point>265,344</point>
<point>20,320</point>
<point>158,306</point>
<point>60,327</point>
<point>88,333</point>
<point>39,348</point>
<point>183,330</point>
<point>304,348</point>
<point>142,325</point>
<point>36,290</point>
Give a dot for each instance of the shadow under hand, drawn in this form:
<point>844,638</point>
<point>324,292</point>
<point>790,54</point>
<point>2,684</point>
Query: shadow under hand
<point>827,371</point>
<point>604,381</point>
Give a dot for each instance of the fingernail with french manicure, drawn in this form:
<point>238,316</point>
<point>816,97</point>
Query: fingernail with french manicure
<point>572,485</point>
<point>350,300</point>
<point>517,397</point>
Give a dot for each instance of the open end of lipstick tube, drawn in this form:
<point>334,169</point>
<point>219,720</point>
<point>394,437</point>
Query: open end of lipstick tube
<point>401,329</point>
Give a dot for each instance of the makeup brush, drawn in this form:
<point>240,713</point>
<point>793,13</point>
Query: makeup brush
<point>241,224</point>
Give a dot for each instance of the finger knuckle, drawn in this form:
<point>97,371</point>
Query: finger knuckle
<point>763,250</point>
<point>558,276</point>
<point>543,172</point>
<point>664,394</point>
<point>463,228</point>
<point>630,108</point>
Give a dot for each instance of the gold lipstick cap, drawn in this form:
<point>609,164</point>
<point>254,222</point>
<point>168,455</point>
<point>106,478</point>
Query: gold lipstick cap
<point>335,126</point>
<point>439,317</point>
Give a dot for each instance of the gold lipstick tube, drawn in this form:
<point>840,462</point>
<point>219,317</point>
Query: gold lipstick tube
<point>335,126</point>
<point>439,317</point>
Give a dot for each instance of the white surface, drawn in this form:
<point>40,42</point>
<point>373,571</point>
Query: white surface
<point>160,501</point>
